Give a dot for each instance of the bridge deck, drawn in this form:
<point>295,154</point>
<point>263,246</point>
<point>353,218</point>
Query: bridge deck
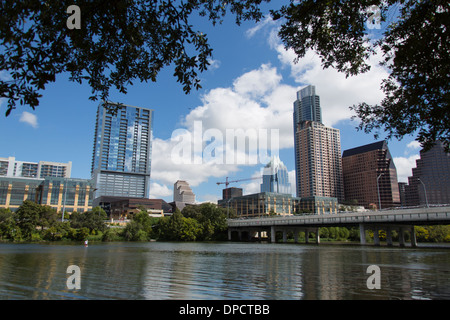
<point>415,216</point>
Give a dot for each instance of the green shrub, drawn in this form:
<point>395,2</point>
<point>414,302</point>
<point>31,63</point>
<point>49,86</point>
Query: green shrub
<point>134,231</point>
<point>113,234</point>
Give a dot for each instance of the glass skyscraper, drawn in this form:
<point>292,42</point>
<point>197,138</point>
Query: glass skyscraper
<point>307,106</point>
<point>430,180</point>
<point>121,162</point>
<point>370,176</point>
<point>275,177</point>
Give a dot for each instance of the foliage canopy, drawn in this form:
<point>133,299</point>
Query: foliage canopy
<point>415,48</point>
<point>118,43</point>
<point>124,41</point>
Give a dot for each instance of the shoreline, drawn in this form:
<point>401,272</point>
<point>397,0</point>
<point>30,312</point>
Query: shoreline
<point>325,242</point>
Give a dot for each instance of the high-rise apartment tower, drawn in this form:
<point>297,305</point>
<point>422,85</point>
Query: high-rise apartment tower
<point>121,162</point>
<point>318,163</point>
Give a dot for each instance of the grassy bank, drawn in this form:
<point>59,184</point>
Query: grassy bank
<point>205,222</point>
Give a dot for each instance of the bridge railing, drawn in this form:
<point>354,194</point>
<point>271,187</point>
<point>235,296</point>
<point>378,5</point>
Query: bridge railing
<point>421,215</point>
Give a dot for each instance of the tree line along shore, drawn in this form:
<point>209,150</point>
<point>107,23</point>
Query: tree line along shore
<point>206,222</point>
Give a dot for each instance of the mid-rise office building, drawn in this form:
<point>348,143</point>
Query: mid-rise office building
<point>261,204</point>
<point>430,180</point>
<point>318,162</point>
<point>122,208</point>
<point>10,167</point>
<point>182,195</point>
<point>275,177</point>
<point>182,192</point>
<point>121,162</point>
<point>231,192</point>
<point>62,194</point>
<point>318,205</point>
<point>370,176</point>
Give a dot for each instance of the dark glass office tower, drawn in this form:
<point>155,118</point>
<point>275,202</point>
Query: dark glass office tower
<point>430,180</point>
<point>370,176</point>
<point>121,162</point>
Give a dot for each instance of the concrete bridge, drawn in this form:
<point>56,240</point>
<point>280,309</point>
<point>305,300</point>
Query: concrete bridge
<point>388,220</point>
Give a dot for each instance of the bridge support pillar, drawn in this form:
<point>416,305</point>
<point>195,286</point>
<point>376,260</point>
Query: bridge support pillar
<point>376,237</point>
<point>229,234</point>
<point>317,236</point>
<point>401,237</point>
<point>389,236</point>
<point>296,236</point>
<point>362,233</point>
<point>413,237</point>
<point>284,235</point>
<point>272,234</point>
<point>306,236</point>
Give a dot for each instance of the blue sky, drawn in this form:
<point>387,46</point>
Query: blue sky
<point>251,84</point>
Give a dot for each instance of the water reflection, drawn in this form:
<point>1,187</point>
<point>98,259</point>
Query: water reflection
<point>221,271</point>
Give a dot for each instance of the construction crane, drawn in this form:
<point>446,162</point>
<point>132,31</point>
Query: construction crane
<point>227,182</point>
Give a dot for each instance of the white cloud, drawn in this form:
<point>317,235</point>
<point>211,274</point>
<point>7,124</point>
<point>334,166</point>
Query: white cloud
<point>267,22</point>
<point>404,167</point>
<point>211,198</point>
<point>213,64</point>
<point>29,118</point>
<point>258,100</point>
<point>252,186</point>
<point>158,191</point>
<point>257,83</point>
<point>414,145</point>
<point>166,169</point>
<point>250,105</point>
<point>336,91</point>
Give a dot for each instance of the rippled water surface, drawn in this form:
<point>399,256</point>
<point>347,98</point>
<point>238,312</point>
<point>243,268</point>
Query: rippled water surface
<point>159,270</point>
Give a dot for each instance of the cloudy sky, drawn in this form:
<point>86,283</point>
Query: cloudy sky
<point>248,91</point>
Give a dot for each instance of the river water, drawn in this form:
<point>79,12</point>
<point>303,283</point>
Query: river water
<point>227,270</point>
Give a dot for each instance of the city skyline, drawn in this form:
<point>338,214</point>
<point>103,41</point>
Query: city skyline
<point>253,87</point>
